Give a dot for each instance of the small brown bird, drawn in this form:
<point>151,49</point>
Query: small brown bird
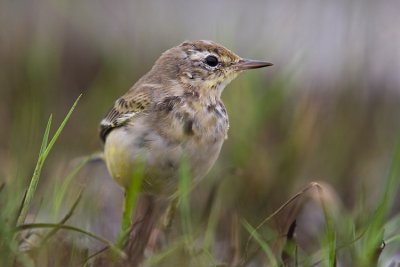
<point>173,111</point>
<point>173,114</point>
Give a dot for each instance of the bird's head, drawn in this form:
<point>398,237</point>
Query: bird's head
<point>204,65</point>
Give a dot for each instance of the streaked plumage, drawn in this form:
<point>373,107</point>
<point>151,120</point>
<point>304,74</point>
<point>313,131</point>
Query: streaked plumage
<point>173,111</point>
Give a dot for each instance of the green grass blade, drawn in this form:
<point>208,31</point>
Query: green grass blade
<point>59,130</point>
<point>35,178</point>
<point>375,232</point>
<point>212,224</point>
<point>59,195</point>
<point>329,239</point>
<point>65,219</point>
<point>130,200</point>
<point>392,180</point>
<point>184,195</point>
<point>46,136</point>
<point>210,257</point>
<point>157,258</point>
<point>395,238</point>
<point>264,246</point>
<point>42,157</point>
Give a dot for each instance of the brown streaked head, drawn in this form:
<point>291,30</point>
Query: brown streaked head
<point>204,64</point>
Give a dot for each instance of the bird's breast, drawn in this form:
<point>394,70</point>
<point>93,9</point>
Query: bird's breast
<point>161,137</point>
<point>184,119</point>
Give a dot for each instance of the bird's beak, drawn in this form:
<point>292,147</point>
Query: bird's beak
<point>247,64</point>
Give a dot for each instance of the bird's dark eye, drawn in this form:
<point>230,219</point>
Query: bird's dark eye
<point>212,61</point>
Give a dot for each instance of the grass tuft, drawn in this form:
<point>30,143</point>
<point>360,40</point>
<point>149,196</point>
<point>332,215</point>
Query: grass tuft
<point>44,152</point>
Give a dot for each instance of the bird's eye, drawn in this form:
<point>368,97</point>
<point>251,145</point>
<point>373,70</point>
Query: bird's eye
<point>211,61</point>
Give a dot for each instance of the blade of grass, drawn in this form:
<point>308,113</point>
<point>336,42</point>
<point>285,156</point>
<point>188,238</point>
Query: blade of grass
<point>329,239</point>
<point>392,239</point>
<point>35,177</point>
<point>210,257</point>
<point>21,205</point>
<point>184,193</point>
<point>46,135</point>
<point>157,258</point>
<point>45,150</point>
<point>312,185</point>
<point>59,130</point>
<point>264,246</point>
<point>212,224</point>
<point>130,199</point>
<point>65,219</point>
<point>86,262</point>
<point>392,180</point>
<point>60,194</point>
<point>374,233</point>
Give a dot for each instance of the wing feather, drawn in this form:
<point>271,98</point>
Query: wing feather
<point>124,109</point>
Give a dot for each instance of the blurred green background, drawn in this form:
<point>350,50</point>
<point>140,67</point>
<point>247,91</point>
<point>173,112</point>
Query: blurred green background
<point>328,109</point>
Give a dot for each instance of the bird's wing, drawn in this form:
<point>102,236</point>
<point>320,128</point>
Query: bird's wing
<point>124,109</point>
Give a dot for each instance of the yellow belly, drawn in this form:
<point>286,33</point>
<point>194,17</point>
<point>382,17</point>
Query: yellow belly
<point>160,142</point>
<point>119,164</point>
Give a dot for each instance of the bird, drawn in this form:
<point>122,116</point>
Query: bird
<point>174,113</point>
<point>172,117</point>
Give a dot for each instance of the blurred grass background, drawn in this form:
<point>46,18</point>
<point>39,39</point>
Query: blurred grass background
<point>327,110</point>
